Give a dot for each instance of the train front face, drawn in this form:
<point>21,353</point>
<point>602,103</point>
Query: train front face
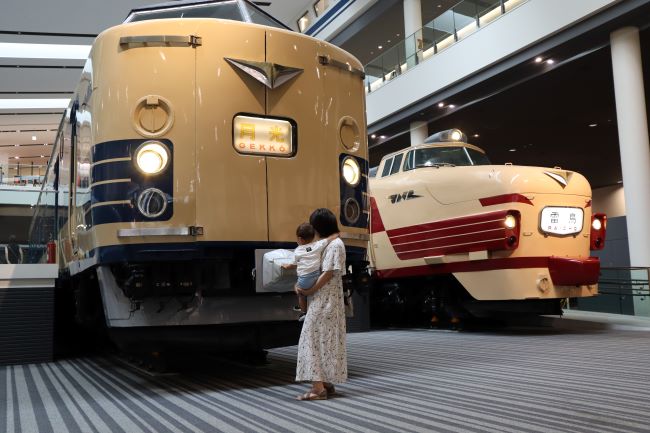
<point>505,232</point>
<point>219,137</point>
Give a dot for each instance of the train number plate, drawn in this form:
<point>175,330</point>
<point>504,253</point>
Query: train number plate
<point>263,136</point>
<point>562,220</point>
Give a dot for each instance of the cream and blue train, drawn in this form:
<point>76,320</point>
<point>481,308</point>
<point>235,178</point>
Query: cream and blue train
<point>199,136</point>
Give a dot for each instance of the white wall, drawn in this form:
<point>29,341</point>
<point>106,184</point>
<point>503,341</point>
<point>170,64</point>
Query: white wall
<point>514,31</point>
<point>609,200</point>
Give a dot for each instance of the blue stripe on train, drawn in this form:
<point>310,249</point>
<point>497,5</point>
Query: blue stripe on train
<point>112,170</point>
<point>114,149</point>
<point>114,191</point>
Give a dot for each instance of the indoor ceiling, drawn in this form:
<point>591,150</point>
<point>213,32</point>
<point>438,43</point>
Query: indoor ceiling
<point>538,114</point>
<point>26,134</point>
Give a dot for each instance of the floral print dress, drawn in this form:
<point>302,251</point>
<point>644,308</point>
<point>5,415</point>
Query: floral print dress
<point>322,354</point>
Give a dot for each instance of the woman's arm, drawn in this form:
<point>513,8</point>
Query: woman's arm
<point>322,280</point>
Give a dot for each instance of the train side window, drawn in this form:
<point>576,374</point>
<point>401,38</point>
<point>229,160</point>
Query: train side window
<point>397,163</point>
<point>387,166</point>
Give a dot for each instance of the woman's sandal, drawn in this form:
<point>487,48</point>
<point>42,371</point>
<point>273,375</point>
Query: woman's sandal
<point>311,395</point>
<point>330,389</point>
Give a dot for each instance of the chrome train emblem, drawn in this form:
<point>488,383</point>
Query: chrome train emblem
<point>271,75</point>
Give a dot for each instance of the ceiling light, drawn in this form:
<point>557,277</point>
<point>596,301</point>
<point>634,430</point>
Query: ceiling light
<point>593,125</point>
<point>43,51</point>
<point>451,106</point>
<point>388,41</point>
<point>382,137</point>
<point>16,145</point>
<point>373,136</point>
<point>476,135</point>
<point>441,104</point>
<point>550,61</point>
<point>7,104</point>
<point>42,156</point>
<point>16,157</point>
<point>33,138</point>
<point>380,47</point>
<point>512,150</point>
<point>538,60</point>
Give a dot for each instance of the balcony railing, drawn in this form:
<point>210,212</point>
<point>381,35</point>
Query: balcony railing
<point>449,27</point>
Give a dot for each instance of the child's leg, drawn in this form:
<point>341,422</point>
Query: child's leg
<point>302,302</point>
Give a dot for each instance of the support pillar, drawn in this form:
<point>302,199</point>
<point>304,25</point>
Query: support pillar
<point>633,140</point>
<point>419,132</point>
<point>412,30</point>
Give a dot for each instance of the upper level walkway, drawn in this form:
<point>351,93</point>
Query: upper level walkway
<point>512,38</point>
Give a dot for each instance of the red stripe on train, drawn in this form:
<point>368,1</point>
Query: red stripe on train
<point>564,271</point>
<point>505,198</point>
<point>486,226</point>
<point>448,224</point>
<point>376,224</point>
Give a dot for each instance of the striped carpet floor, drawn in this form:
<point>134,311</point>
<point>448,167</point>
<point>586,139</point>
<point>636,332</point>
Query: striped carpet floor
<point>400,381</point>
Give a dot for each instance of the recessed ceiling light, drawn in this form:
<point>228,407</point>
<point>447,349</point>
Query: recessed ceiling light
<point>550,61</point>
<point>380,47</point>
<point>373,136</point>
<point>16,145</point>
<point>451,106</point>
<point>593,125</point>
<point>538,60</point>
<point>16,157</point>
<point>512,150</point>
<point>33,103</point>
<point>476,135</point>
<point>382,137</point>
<point>42,156</point>
<point>441,104</point>
<point>43,51</point>
<point>33,138</point>
<point>397,35</point>
<point>389,41</point>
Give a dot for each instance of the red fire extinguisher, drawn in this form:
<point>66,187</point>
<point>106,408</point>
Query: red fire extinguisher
<point>51,252</point>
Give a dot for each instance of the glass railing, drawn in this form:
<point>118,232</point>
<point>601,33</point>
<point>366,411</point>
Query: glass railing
<point>449,27</point>
<point>22,175</point>
<point>620,291</point>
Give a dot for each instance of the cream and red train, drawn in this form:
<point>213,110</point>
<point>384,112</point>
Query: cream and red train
<point>199,137</point>
<point>514,238</point>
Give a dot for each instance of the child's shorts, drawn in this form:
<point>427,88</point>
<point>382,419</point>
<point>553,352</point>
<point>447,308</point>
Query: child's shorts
<point>307,281</point>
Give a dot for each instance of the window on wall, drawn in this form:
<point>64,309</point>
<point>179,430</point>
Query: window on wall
<point>321,6</point>
<point>304,22</point>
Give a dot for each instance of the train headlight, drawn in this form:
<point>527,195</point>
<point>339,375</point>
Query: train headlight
<point>152,202</point>
<point>152,157</point>
<point>351,171</point>
<point>596,224</point>
<point>352,210</point>
<point>510,221</point>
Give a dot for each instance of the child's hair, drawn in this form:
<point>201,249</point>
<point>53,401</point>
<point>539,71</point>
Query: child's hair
<point>305,231</point>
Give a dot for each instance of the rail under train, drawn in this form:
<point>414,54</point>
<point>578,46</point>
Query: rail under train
<point>455,236</point>
<point>199,136</point>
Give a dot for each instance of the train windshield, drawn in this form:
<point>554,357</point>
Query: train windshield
<point>448,156</point>
<point>227,10</point>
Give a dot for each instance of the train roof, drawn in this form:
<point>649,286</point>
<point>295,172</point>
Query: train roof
<point>236,10</point>
<point>438,144</point>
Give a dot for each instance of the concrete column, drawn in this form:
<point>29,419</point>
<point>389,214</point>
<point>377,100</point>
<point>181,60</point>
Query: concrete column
<point>633,140</point>
<point>412,24</point>
<point>419,132</point>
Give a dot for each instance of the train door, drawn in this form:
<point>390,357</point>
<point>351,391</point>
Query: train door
<point>318,100</point>
<point>230,181</point>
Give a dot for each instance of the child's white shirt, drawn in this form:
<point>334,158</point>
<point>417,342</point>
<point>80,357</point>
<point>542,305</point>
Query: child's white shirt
<point>308,257</point>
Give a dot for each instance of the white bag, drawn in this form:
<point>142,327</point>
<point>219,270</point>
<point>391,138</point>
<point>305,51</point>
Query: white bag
<point>275,278</point>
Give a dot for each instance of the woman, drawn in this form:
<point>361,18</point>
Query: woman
<point>322,357</point>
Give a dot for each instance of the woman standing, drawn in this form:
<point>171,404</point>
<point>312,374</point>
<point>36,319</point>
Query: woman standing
<point>322,357</point>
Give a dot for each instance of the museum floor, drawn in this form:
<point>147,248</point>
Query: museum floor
<point>575,378</point>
